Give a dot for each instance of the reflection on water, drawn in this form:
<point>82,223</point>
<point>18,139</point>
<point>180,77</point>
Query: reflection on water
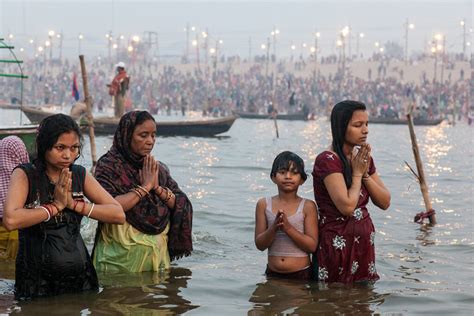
<point>133,294</point>
<point>152,293</point>
<point>293,297</point>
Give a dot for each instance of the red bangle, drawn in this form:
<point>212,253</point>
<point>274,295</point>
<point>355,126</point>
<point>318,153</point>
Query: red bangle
<point>48,208</point>
<point>56,206</point>
<point>75,204</point>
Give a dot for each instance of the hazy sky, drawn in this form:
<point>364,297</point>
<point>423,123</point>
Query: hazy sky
<point>235,22</point>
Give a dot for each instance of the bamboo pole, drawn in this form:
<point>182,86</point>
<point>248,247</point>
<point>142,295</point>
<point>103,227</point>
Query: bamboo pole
<point>90,119</point>
<point>274,114</point>
<point>419,167</point>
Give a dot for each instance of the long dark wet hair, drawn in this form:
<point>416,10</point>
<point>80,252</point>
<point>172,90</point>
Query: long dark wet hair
<point>340,116</point>
<point>49,131</point>
<point>283,162</point>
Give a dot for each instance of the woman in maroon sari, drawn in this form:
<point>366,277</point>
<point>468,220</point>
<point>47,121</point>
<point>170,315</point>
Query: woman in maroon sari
<point>344,178</point>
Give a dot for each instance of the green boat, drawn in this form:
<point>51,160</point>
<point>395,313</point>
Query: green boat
<point>27,133</point>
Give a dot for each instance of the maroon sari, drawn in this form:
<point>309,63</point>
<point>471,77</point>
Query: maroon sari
<point>346,251</point>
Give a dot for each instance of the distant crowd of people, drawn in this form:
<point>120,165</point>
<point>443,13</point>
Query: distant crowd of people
<point>219,90</point>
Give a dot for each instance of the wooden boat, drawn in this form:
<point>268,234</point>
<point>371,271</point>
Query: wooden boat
<point>290,117</point>
<point>108,125</point>
<point>27,133</point>
<point>416,121</point>
<point>10,106</point>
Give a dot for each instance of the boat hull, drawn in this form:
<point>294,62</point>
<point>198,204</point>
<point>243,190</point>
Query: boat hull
<point>286,117</point>
<point>108,125</point>
<point>26,133</point>
<point>419,122</point>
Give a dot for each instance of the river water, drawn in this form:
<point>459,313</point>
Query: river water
<point>423,270</point>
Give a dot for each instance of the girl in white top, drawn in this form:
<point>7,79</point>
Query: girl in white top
<point>287,224</point>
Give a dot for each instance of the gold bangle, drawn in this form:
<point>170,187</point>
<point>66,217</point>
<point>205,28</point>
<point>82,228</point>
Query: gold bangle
<point>140,196</point>
<point>90,211</point>
<point>161,191</point>
<point>168,196</point>
<point>142,188</point>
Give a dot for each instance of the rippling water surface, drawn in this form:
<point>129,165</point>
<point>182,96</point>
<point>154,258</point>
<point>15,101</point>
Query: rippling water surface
<point>423,270</point>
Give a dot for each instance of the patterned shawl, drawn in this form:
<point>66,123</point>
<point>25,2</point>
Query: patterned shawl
<point>118,172</point>
<point>12,153</point>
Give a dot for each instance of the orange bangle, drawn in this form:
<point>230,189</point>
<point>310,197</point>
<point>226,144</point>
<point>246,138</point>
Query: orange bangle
<point>168,196</point>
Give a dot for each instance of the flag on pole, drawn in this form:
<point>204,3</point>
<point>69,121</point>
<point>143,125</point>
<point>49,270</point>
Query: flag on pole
<point>75,90</point>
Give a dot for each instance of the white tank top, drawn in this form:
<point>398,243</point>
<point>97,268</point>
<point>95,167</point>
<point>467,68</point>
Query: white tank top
<point>282,245</point>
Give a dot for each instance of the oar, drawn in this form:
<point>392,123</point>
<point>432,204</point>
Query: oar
<point>90,119</point>
<point>429,212</point>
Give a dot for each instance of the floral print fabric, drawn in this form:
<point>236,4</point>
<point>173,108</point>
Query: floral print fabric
<point>346,251</point>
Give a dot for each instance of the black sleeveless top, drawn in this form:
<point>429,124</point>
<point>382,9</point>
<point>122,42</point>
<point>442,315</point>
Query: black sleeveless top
<point>52,257</point>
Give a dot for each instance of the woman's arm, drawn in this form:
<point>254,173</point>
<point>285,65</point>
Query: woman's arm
<point>263,235</point>
<point>307,241</point>
<point>379,194</point>
<point>106,208</point>
<point>15,215</point>
<point>345,199</point>
<point>148,176</point>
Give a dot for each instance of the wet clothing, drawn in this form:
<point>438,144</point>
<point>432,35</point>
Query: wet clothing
<point>8,243</point>
<point>282,245</point>
<point>118,172</point>
<point>52,257</point>
<point>305,274</point>
<point>124,248</point>
<point>346,251</point>
<point>12,153</point>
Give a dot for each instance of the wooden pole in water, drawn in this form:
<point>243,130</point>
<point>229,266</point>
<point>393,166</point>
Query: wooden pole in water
<point>90,119</point>
<point>274,114</point>
<point>419,167</point>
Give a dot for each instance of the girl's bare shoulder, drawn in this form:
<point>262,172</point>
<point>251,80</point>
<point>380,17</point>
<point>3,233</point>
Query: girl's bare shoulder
<point>310,206</point>
<point>262,203</point>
